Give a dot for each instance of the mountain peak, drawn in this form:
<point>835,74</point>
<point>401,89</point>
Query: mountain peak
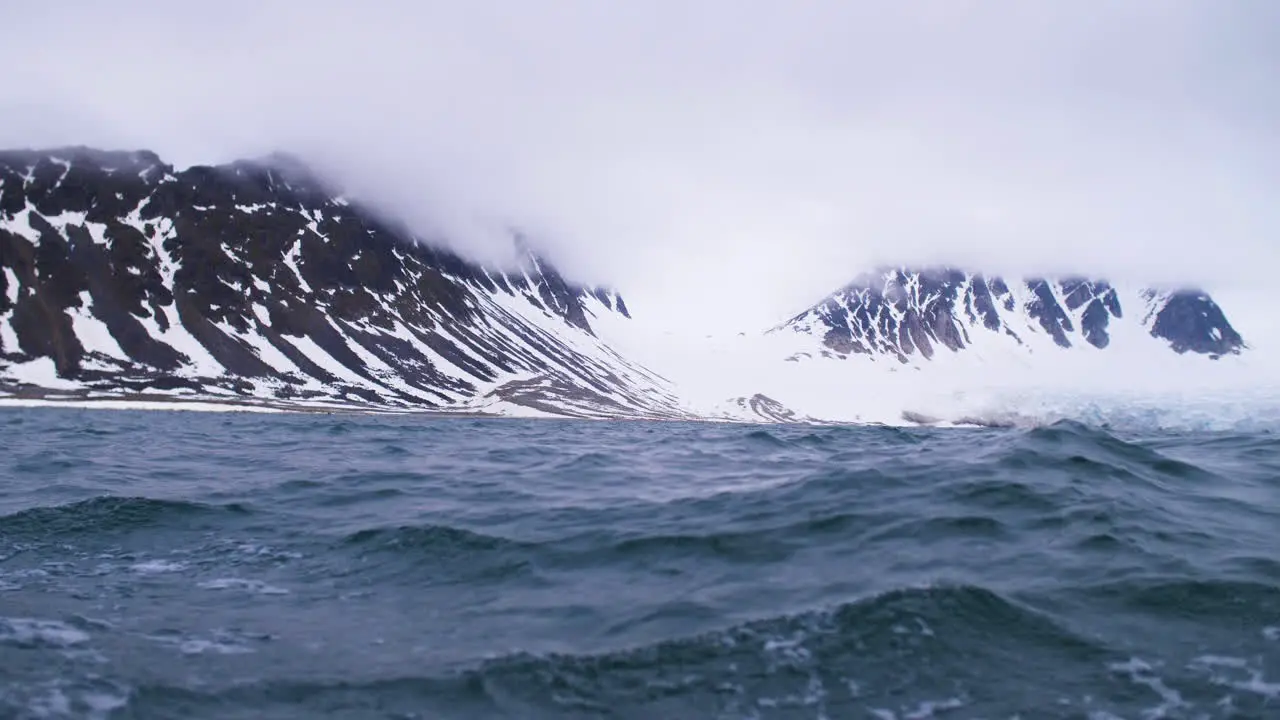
<point>120,274</point>
<point>907,313</point>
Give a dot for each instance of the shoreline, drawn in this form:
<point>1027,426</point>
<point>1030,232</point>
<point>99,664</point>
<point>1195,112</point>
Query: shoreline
<point>167,403</point>
<point>152,402</point>
<point>162,403</point>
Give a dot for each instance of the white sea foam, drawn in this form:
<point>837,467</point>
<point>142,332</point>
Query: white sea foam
<point>1139,672</point>
<point>1236,673</point>
<point>63,699</point>
<point>31,632</point>
<point>155,567</point>
<point>253,586</point>
<point>212,647</point>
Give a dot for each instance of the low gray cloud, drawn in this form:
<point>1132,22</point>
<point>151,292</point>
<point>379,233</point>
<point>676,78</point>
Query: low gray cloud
<point>724,162</point>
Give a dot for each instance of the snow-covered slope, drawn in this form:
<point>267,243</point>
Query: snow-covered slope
<point>911,315</point>
<point>120,276</point>
<point>944,346</point>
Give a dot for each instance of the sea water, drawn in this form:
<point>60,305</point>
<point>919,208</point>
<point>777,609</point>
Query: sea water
<point>192,565</point>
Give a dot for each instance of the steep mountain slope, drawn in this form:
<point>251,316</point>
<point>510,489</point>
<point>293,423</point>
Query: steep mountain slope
<point>122,275</point>
<point>911,315</point>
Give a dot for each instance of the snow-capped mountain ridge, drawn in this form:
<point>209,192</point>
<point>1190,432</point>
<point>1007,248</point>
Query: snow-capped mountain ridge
<point>911,314</point>
<point>255,281</point>
<point>122,274</point>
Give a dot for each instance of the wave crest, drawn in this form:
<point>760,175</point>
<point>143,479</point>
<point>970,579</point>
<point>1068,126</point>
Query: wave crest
<point>109,513</point>
<point>859,654</point>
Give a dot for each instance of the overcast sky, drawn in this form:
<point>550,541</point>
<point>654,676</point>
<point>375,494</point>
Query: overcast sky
<point>747,155</point>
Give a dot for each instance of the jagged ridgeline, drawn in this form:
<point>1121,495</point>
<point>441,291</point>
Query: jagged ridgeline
<point>910,314</point>
<point>120,274</point>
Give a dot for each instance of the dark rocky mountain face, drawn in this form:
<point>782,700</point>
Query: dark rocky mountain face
<point>906,313</point>
<point>120,274</point>
<point>1191,322</point>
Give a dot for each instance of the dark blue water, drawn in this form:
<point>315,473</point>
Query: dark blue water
<point>185,565</point>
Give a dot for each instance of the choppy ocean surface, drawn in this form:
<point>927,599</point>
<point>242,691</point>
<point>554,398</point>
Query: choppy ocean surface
<point>187,565</point>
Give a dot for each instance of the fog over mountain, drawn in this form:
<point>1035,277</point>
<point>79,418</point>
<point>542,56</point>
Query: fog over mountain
<point>691,152</point>
<point>255,283</point>
<point>121,277</point>
<point>749,177</point>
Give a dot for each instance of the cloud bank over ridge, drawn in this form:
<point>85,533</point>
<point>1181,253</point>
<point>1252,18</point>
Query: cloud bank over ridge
<point>745,156</point>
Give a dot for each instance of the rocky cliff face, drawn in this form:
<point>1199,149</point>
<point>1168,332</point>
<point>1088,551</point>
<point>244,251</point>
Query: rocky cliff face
<point>120,274</point>
<point>912,314</point>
